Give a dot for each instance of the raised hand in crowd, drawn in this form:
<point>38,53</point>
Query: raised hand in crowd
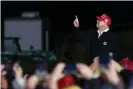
<point>116,66</point>
<point>91,71</point>
<point>56,75</point>
<point>4,83</point>
<point>21,81</point>
<point>84,70</point>
<point>18,70</point>
<point>3,73</point>
<point>32,82</point>
<point>95,65</point>
<point>112,74</point>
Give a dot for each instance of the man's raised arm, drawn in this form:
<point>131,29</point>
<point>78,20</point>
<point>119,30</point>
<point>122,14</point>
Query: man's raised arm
<point>82,35</point>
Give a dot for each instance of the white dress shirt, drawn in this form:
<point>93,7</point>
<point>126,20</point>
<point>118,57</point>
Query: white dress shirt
<point>101,32</point>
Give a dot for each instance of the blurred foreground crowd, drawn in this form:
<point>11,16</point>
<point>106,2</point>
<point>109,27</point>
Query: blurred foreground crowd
<point>21,74</point>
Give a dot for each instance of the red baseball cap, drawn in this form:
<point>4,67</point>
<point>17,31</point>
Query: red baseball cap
<point>105,18</point>
<point>127,64</point>
<point>66,81</point>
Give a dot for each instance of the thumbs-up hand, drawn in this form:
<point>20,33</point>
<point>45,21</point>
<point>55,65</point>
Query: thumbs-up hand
<point>76,21</point>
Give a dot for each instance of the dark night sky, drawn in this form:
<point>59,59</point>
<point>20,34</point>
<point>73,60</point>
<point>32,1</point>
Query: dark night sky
<point>62,14</point>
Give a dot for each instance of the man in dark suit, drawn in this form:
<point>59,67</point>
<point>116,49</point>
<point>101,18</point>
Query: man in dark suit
<point>102,41</point>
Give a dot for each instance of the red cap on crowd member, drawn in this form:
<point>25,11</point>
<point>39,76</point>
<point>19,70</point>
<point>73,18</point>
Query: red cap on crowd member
<point>127,64</point>
<point>105,18</point>
<point>66,81</point>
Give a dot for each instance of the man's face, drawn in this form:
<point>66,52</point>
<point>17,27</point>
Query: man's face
<point>100,24</point>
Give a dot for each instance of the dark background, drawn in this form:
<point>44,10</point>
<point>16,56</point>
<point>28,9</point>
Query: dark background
<point>61,14</point>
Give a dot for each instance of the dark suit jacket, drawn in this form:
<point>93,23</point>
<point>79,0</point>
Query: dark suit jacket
<point>107,42</point>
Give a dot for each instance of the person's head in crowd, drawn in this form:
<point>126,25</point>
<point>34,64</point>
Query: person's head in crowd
<point>42,73</point>
<point>66,81</point>
<point>103,22</point>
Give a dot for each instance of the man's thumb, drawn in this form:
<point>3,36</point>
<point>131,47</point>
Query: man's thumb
<point>76,17</point>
